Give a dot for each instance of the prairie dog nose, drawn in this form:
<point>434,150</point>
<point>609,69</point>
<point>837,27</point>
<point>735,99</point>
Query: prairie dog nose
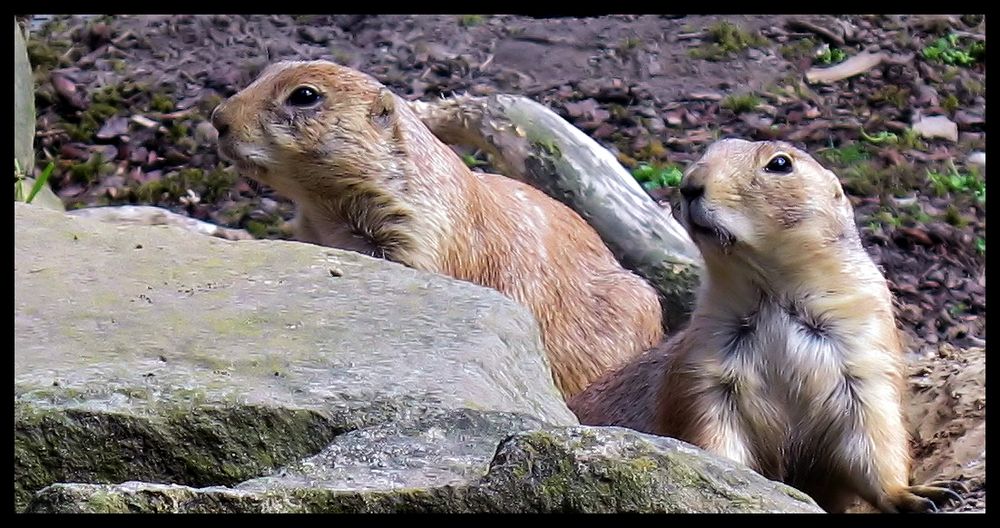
<point>693,185</point>
<point>692,190</point>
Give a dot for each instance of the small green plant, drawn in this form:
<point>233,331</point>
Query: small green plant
<point>657,176</point>
<point>20,179</point>
<point>831,56</point>
<point>846,155</point>
<point>882,137</point>
<point>948,50</point>
<point>727,40</point>
<point>981,245</point>
<point>161,103</point>
<point>911,140</point>
<point>954,217</point>
<point>892,94</point>
<point>471,161</point>
<point>886,216</point>
<point>958,308</point>
<point>470,20</point>
<point>739,103</point>
<point>798,50</point>
<point>630,43</point>
<point>952,180</point>
<point>950,103</point>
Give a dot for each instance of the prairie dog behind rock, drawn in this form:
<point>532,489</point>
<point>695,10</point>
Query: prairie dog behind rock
<point>367,175</point>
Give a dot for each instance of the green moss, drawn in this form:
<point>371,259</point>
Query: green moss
<point>208,103</point>
<point>846,155</point>
<point>471,20</point>
<point>101,501</point>
<point>950,103</point>
<point>740,103</point>
<point>209,185</point>
<point>178,130</point>
<point>90,171</point>
<point>893,95</point>
<point>45,55</point>
<point>798,49</point>
<point>910,139</point>
<point>974,87</point>
<point>629,43</point>
<point>869,178</point>
<point>161,103</point>
<point>727,40</point>
<point>954,217</point>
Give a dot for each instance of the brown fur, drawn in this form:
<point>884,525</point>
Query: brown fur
<point>367,175</point>
<point>791,362</point>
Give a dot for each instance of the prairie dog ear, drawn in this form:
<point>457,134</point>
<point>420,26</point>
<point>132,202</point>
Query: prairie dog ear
<point>383,111</point>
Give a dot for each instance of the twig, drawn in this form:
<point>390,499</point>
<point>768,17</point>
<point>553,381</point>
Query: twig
<point>827,34</point>
<point>855,65</point>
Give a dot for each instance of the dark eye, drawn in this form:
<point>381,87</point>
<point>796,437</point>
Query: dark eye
<point>304,96</point>
<point>780,164</point>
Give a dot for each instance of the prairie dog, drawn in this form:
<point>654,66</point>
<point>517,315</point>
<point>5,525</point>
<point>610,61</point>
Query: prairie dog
<point>791,362</point>
<point>367,175</point>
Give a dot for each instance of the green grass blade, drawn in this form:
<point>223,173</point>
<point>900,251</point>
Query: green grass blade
<point>41,181</point>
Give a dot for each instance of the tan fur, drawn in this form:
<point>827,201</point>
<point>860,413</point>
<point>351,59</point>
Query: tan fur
<point>367,175</point>
<point>791,362</point>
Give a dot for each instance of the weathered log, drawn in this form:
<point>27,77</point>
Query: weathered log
<point>150,215</point>
<point>531,143</point>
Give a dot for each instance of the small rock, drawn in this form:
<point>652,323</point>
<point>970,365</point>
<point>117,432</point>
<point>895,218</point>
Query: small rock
<point>927,95</point>
<point>313,34</point>
<point>114,127</point>
<point>144,121</point>
<point>655,125</point>
<point>937,127</point>
<point>705,96</point>
<point>107,152</point>
<point>978,159</point>
<point>72,151</point>
<point>969,119</point>
<point>674,118</point>
<point>647,111</point>
<point>604,131</point>
<point>205,133</point>
<point>582,108</point>
<point>67,91</point>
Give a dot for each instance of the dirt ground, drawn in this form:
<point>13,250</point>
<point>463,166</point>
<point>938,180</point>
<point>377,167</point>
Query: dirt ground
<point>123,104</point>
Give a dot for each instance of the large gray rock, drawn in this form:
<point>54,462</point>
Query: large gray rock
<point>571,469</point>
<point>154,354</point>
<point>279,376</point>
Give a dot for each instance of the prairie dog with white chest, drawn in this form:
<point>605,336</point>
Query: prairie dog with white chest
<point>367,175</point>
<point>791,362</point>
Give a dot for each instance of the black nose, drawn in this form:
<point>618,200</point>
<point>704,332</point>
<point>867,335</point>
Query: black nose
<point>219,123</point>
<point>691,191</point>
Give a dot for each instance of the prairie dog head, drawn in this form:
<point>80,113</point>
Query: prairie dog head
<point>300,119</point>
<point>762,201</point>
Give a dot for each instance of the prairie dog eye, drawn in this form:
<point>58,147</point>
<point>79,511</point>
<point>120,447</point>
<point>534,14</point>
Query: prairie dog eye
<point>780,164</point>
<point>304,96</point>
